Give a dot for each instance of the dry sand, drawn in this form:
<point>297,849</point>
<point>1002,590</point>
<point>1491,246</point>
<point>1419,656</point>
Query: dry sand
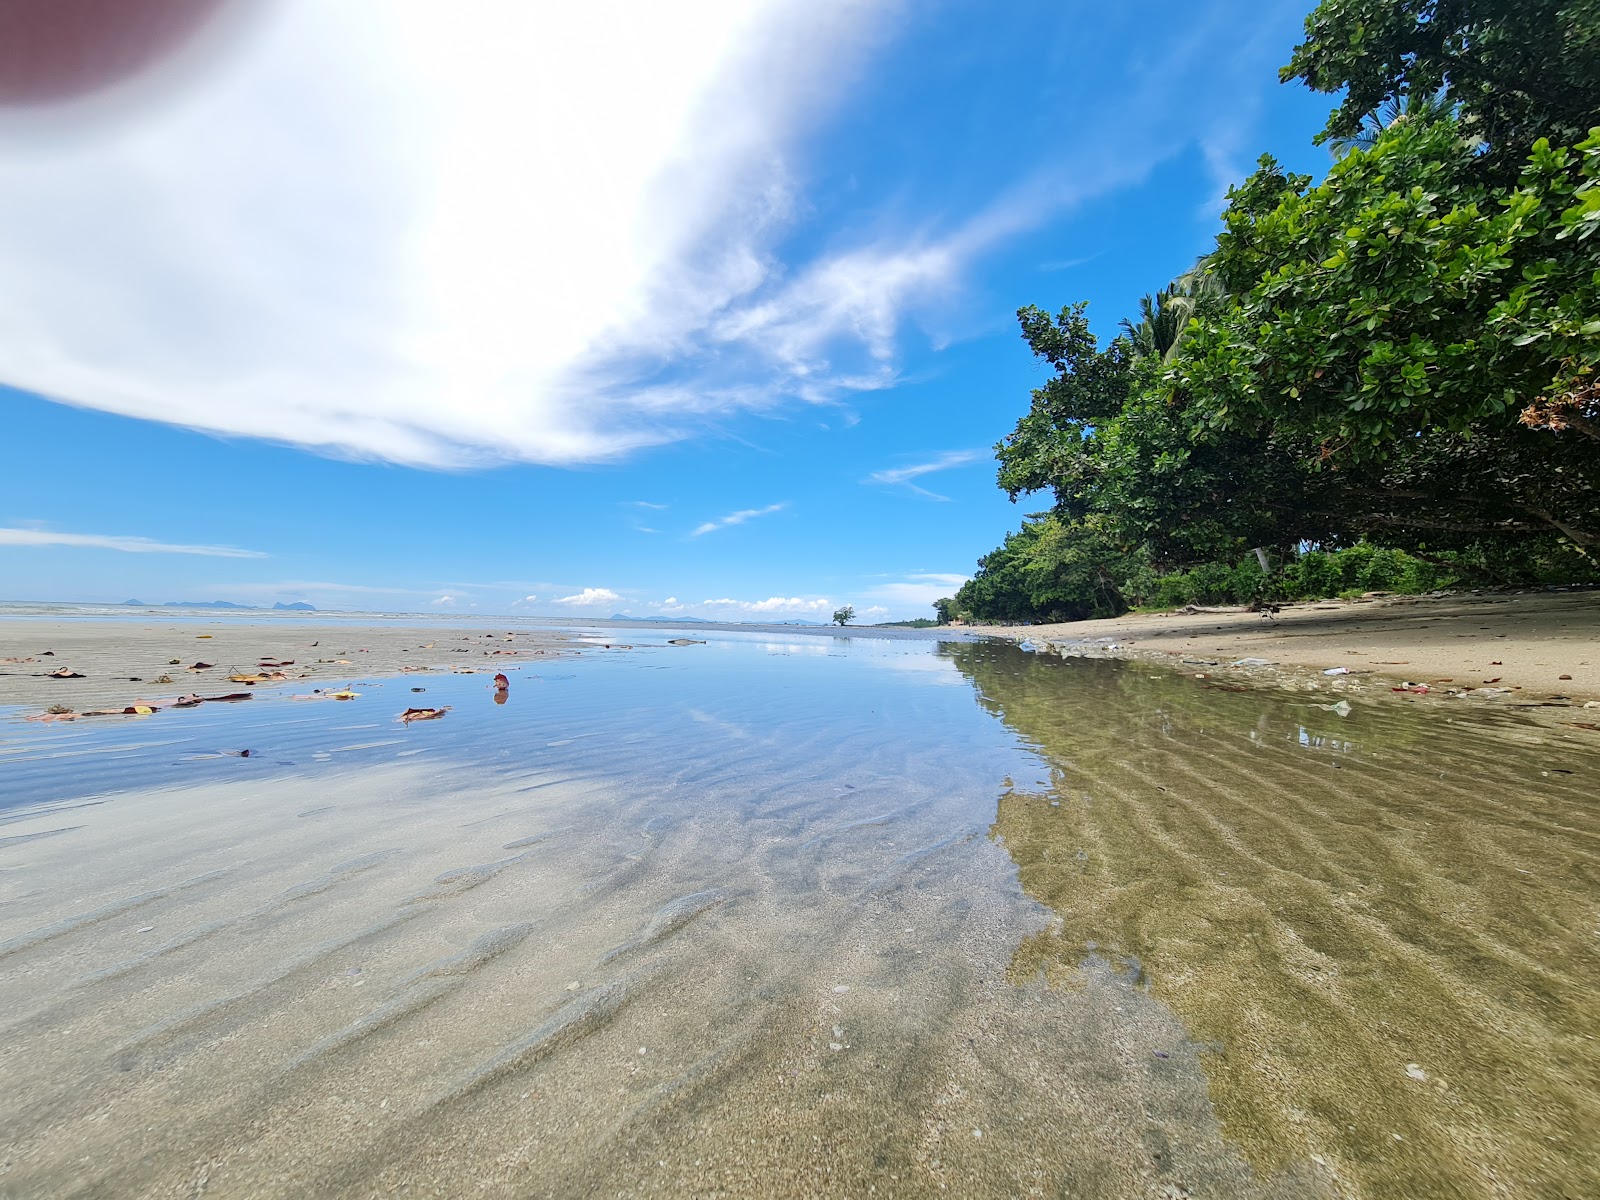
<point>1537,646</point>
<point>124,661</point>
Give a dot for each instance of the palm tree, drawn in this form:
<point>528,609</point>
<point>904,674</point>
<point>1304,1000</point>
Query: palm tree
<point>1164,318</point>
<point>1412,106</point>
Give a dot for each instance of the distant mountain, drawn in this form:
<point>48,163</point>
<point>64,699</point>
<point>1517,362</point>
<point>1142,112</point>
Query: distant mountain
<point>297,606</point>
<point>796,622</point>
<point>135,604</point>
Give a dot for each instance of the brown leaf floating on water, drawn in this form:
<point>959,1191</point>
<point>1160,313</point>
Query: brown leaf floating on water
<point>62,673</point>
<point>502,684</point>
<point>423,714</point>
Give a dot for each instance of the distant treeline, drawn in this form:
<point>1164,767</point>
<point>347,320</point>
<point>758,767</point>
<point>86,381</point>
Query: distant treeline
<point>1395,368</point>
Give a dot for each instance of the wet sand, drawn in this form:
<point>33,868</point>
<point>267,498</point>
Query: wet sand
<point>1386,941</point>
<point>801,919</point>
<point>125,661</point>
<point>771,963</point>
<point>1540,644</point>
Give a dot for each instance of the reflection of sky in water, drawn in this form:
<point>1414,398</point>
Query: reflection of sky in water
<point>647,705</point>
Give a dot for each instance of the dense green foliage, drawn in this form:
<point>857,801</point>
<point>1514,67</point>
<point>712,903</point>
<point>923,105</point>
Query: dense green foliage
<point>1519,70</point>
<point>1401,358</point>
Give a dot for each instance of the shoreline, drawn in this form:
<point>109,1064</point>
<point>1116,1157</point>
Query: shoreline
<point>115,664</point>
<point>1539,648</point>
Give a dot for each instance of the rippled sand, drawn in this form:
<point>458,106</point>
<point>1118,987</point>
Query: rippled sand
<point>785,919</point>
<point>1383,930</point>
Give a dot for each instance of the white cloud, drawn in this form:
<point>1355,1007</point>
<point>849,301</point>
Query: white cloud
<point>445,601</point>
<point>875,610</point>
<point>429,233</point>
<point>902,476</point>
<point>736,518</point>
<point>589,596</point>
<point>647,504</point>
<point>453,234</point>
<point>128,545</point>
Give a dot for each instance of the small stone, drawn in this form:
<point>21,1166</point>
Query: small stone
<point>146,929</point>
<point>977,1133</point>
<point>1416,1073</point>
<point>841,989</point>
<point>574,986</point>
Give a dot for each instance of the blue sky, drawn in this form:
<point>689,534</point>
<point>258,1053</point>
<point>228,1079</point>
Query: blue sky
<point>694,310</point>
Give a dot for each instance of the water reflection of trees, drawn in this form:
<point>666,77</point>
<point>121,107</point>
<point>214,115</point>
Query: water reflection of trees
<point>1324,914</point>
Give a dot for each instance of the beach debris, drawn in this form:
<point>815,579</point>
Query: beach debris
<point>173,662</point>
<point>197,665</point>
<point>1337,671</point>
<point>686,641</point>
<point>273,662</point>
<point>423,714</point>
<point>1030,646</point>
<point>1252,662</point>
<point>203,637</point>
<point>341,694</point>
<point>270,677</point>
<point>1563,676</point>
<point>58,710</point>
<point>62,673</point>
<point>1342,708</point>
<point>1420,689</point>
<point>419,689</point>
<point>1416,1072</point>
<point>502,684</point>
<point>1584,725</point>
<point>227,699</point>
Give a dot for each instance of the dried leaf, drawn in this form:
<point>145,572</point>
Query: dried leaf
<point>228,699</point>
<point>423,714</point>
<point>62,673</point>
<point>502,684</point>
<point>343,694</point>
<point>199,666</point>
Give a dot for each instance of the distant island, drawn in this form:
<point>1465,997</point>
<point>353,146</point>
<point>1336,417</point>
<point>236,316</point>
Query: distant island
<point>297,606</point>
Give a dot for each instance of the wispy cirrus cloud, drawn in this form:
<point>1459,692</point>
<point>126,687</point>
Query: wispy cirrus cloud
<point>903,476</point>
<point>127,545</point>
<point>736,518</point>
<point>377,304</point>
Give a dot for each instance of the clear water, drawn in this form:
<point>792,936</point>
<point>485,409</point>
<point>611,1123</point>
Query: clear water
<point>795,914</point>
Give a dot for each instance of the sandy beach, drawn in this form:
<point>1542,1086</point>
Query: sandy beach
<point>113,664</point>
<point>1526,647</point>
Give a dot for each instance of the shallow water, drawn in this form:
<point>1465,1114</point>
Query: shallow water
<point>798,915</point>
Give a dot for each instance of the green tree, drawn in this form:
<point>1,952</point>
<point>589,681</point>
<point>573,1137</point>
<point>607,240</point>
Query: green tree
<point>1519,69</point>
<point>843,616</point>
<point>944,610</point>
<point>1416,328</point>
